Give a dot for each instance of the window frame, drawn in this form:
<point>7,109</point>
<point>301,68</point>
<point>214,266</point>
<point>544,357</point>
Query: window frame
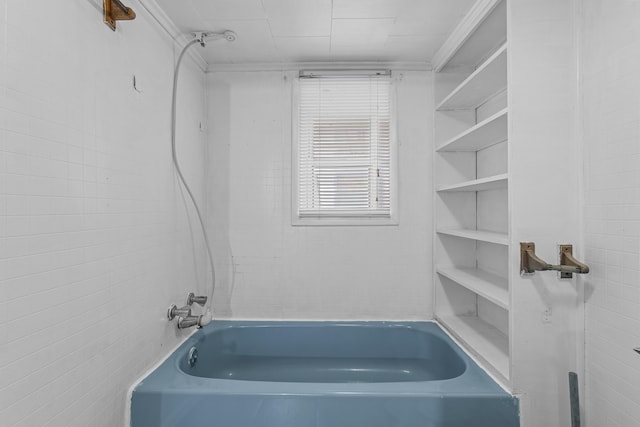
<point>359,219</point>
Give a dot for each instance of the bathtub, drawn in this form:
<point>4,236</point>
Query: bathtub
<point>321,374</point>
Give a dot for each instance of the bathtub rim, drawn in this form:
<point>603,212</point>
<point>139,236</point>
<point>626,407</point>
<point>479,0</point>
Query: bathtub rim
<point>147,372</point>
<point>464,385</point>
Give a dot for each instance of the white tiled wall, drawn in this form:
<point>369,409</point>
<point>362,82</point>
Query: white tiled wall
<point>217,187</point>
<point>284,272</point>
<point>94,237</point>
<point>611,105</point>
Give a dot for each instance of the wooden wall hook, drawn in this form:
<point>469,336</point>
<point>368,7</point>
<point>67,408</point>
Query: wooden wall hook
<point>114,10</point>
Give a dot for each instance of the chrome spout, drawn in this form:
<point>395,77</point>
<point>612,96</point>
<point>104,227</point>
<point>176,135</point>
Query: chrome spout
<point>189,321</point>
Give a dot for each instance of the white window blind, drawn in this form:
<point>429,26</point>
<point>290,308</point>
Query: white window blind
<point>344,146</point>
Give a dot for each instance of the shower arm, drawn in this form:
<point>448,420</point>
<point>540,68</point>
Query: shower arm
<point>203,37</point>
<point>530,262</point>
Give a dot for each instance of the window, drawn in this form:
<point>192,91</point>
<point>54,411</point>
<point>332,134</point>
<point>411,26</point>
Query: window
<point>343,149</point>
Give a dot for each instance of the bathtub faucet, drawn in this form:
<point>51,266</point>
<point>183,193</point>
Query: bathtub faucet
<point>185,319</point>
<point>189,321</point>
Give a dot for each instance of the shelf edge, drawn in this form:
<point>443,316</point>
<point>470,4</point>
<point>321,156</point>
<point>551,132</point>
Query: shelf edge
<point>499,239</point>
<point>467,185</point>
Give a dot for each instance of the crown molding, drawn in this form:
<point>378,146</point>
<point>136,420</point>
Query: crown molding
<point>167,24</point>
<point>471,21</point>
<point>295,66</point>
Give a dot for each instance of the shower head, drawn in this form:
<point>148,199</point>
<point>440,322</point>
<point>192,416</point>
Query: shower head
<point>206,36</point>
<point>229,36</point>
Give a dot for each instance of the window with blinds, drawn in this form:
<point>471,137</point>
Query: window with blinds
<point>344,146</point>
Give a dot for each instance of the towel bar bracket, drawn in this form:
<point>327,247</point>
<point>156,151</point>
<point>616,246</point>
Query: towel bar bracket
<point>530,262</point>
<point>566,258</point>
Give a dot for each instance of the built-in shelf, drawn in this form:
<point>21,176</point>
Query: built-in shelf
<point>479,235</point>
<point>489,79</point>
<point>472,289</point>
<point>490,286</point>
<point>488,132</point>
<point>482,184</point>
<point>484,340</point>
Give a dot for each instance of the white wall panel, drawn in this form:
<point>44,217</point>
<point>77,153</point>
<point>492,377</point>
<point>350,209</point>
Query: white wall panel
<point>611,131</point>
<point>287,272</point>
<point>544,165</point>
<point>95,240</point>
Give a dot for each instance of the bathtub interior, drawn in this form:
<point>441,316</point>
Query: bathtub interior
<point>307,353</point>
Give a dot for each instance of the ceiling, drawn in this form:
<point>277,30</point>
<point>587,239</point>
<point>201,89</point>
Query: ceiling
<point>286,31</point>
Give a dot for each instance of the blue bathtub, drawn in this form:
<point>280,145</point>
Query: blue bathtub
<point>321,374</point>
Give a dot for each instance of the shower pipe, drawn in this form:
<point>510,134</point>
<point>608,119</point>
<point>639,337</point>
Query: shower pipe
<point>200,38</point>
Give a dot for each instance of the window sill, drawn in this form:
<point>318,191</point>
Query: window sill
<point>357,221</point>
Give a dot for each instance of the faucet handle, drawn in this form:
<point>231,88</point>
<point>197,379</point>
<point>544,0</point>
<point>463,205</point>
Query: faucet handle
<point>174,311</point>
<point>200,299</point>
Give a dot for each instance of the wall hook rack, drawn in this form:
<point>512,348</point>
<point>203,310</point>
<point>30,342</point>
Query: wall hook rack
<point>114,10</point>
<point>530,262</point>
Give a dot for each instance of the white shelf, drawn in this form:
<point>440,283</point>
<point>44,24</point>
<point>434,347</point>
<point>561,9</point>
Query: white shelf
<point>489,286</point>
<point>489,79</point>
<point>482,29</point>
<point>488,132</point>
<point>484,340</point>
<point>479,235</point>
<point>482,184</point>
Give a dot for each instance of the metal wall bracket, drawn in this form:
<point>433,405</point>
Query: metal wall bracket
<point>114,10</point>
<point>530,262</point>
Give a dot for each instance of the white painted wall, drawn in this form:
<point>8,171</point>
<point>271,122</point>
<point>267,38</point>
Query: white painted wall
<point>94,238</point>
<point>544,165</point>
<point>286,272</point>
<point>611,134</point>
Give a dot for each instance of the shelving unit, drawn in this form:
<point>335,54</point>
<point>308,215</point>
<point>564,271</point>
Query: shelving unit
<point>472,290</point>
